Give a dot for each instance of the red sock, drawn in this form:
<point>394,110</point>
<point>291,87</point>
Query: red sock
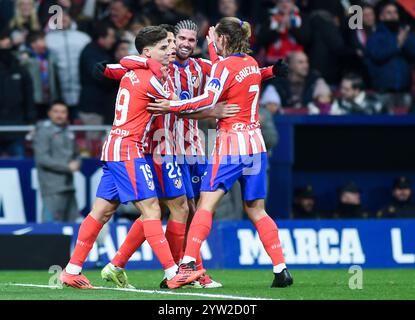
<point>132,242</point>
<point>87,234</point>
<point>198,232</point>
<point>154,234</point>
<point>199,262</point>
<point>175,233</point>
<point>268,233</point>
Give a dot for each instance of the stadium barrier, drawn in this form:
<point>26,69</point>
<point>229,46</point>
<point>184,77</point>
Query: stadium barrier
<point>323,244</point>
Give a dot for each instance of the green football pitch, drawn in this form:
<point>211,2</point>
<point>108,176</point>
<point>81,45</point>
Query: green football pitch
<point>237,284</point>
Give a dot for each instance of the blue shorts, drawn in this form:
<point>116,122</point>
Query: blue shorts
<point>167,176</point>
<point>126,181</point>
<point>249,170</point>
<point>193,169</point>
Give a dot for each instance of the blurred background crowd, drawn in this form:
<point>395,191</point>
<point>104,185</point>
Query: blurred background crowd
<point>340,63</point>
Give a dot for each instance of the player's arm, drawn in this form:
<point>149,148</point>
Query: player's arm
<point>279,70</point>
<point>155,90</point>
<point>212,50</point>
<point>117,70</point>
<point>220,111</point>
<point>207,100</point>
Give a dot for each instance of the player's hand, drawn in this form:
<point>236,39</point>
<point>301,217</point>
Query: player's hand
<point>99,69</point>
<point>210,38</point>
<point>159,106</point>
<point>224,110</point>
<point>280,69</point>
<point>74,165</point>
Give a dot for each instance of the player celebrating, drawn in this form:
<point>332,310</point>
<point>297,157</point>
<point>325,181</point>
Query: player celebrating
<point>189,76</point>
<point>127,176</point>
<point>239,153</point>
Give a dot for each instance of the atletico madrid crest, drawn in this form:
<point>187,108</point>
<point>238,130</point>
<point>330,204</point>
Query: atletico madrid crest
<point>178,183</point>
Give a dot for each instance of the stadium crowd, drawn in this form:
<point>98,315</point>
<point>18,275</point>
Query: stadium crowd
<point>334,68</point>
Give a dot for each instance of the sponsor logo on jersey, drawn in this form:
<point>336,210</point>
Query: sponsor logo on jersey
<point>242,126</point>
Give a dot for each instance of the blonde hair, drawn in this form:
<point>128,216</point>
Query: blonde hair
<point>18,20</point>
<point>236,33</point>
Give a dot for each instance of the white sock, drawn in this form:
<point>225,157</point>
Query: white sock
<point>279,267</point>
<point>171,272</point>
<point>115,268</point>
<point>73,269</point>
<point>187,259</point>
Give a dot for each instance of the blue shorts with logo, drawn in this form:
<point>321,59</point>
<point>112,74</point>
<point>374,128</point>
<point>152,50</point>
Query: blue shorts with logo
<point>125,181</point>
<point>167,176</point>
<point>193,169</point>
<point>250,170</point>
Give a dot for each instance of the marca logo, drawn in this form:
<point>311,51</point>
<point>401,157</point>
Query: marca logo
<point>305,246</point>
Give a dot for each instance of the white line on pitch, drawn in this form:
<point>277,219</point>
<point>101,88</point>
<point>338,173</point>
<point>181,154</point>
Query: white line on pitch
<point>174,293</point>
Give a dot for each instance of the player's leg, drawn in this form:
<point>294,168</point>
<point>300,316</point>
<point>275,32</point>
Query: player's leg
<point>253,185</point>
<point>220,176</point>
<point>268,233</point>
<point>195,172</point>
<point>135,182</point>
<point>88,232</point>
<point>176,225</point>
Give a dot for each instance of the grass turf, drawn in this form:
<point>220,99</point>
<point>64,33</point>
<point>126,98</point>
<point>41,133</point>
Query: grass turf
<point>308,284</point>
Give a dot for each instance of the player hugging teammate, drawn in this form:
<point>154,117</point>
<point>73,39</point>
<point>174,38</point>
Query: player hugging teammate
<point>141,167</point>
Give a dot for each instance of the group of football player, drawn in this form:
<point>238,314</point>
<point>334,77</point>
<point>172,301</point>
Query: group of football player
<point>154,155</point>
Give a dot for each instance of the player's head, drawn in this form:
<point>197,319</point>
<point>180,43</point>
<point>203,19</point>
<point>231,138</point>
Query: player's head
<point>58,113</point>
<point>151,42</point>
<point>186,38</point>
<point>171,39</point>
<point>232,36</point>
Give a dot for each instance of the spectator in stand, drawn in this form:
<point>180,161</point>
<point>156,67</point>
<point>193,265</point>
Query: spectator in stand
<point>350,203</point>
<point>163,11</point>
<point>227,8</point>
<point>278,35</point>
<point>25,20</point>
<point>57,159</point>
<point>325,45</point>
<point>6,13</point>
<point>304,204</point>
<point>357,39</point>
<point>96,102</point>
<point>354,99</point>
<point>401,205</point>
<point>121,49</point>
<point>16,96</point>
<point>43,69</point>
<point>298,89</point>
<point>67,45</point>
<point>322,99</point>
<point>390,52</point>
<point>121,16</point>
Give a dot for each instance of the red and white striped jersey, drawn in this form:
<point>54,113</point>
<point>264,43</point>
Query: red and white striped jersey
<point>189,82</point>
<point>237,80</point>
<point>132,122</point>
<point>160,138</point>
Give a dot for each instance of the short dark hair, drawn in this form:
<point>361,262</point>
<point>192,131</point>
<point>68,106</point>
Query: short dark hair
<point>149,36</point>
<point>126,3</point>
<point>34,36</point>
<point>168,27</point>
<point>382,5</point>
<point>356,80</point>
<point>100,30</point>
<point>54,103</point>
